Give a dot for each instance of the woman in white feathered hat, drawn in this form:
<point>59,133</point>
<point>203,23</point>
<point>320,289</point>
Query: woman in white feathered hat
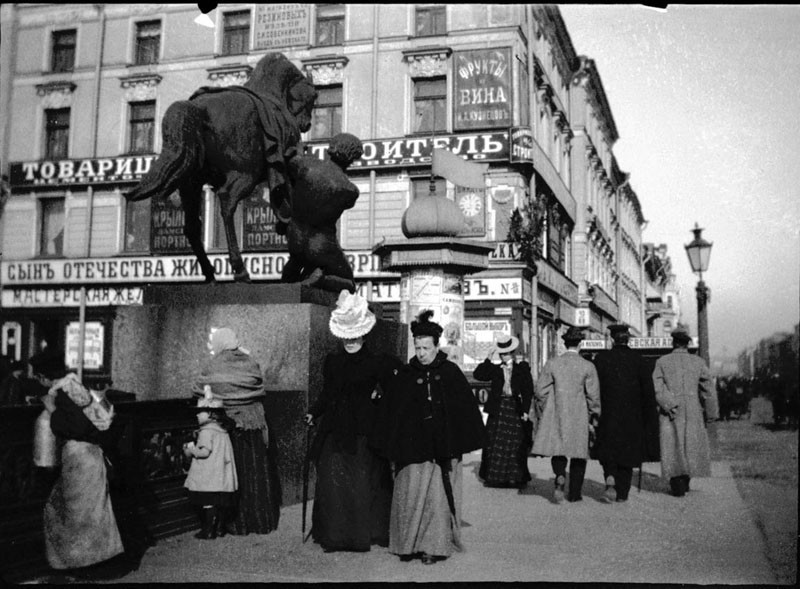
<point>354,486</point>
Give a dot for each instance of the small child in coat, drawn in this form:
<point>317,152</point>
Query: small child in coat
<point>212,481</point>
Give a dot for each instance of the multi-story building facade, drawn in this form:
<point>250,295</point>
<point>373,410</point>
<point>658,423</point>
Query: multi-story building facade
<point>83,89</point>
<point>662,294</point>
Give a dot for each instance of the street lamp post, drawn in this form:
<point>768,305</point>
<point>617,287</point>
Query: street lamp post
<point>699,252</point>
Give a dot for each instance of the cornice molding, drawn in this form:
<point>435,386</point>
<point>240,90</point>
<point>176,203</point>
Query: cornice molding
<point>56,94</point>
<point>325,70</point>
<point>229,75</point>
<point>139,87</point>
<point>427,62</point>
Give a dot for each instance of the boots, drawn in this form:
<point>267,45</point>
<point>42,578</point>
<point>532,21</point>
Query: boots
<point>207,519</point>
<point>221,522</point>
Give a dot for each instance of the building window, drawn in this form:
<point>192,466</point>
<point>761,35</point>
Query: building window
<point>326,118</point>
<point>63,58</point>
<point>142,126</point>
<point>430,20</point>
<point>148,42</point>
<point>430,105</point>
<point>330,24</point>
<point>137,226</point>
<point>421,186</point>
<point>236,32</point>
<point>51,234</point>
<point>56,133</point>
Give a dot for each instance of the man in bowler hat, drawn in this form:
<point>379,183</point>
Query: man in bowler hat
<point>629,412</point>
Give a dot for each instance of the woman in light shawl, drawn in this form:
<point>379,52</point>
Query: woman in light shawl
<point>236,379</point>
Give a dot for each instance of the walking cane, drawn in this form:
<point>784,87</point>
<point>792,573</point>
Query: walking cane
<point>306,466</point>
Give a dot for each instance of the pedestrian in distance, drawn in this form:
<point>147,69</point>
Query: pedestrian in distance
<point>687,401</point>
<point>567,398</point>
<point>212,480</point>
<point>12,390</point>
<point>627,432</point>
<point>353,493</point>
<point>236,379</point>
<point>429,419</point>
<point>504,462</point>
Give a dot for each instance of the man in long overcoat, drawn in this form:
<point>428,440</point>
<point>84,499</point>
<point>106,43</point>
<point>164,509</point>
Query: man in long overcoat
<point>682,382</point>
<point>629,413</point>
<point>567,395</point>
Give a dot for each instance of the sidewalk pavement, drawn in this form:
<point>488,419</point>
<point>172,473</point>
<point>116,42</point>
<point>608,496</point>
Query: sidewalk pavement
<point>706,537</point>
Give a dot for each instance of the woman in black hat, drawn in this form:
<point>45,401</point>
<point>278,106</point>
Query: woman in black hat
<point>429,418</point>
<point>504,461</point>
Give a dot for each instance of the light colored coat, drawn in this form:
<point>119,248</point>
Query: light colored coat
<point>681,381</point>
<point>214,471</point>
<point>567,393</point>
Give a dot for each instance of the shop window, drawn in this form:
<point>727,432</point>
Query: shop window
<point>51,230</point>
<point>137,226</point>
<point>63,56</point>
<point>142,126</point>
<point>430,105</point>
<point>56,133</point>
<point>326,118</point>
<point>220,240</point>
<point>421,186</point>
<point>236,32</point>
<point>330,24</point>
<point>430,20</point>
<point>148,42</point>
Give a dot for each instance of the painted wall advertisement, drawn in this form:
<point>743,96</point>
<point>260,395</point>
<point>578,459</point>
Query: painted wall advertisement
<point>482,89</point>
<point>281,25</point>
<point>92,345</point>
<point>260,232</point>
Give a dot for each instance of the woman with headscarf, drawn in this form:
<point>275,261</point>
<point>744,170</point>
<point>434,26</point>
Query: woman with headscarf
<point>429,418</point>
<point>353,494</point>
<point>236,379</point>
<point>80,528</point>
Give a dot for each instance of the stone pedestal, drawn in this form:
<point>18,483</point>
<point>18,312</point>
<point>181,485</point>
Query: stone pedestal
<point>159,349</point>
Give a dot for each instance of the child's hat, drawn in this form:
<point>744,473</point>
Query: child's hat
<point>208,402</point>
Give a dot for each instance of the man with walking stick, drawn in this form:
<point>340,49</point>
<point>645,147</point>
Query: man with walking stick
<point>629,411</point>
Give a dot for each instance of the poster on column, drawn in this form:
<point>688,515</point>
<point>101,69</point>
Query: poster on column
<point>479,337</point>
<point>452,317</point>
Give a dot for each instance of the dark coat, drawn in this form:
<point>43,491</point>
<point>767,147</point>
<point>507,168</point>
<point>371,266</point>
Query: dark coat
<point>412,429</point>
<point>345,405</point>
<point>521,385</point>
<point>629,420</point>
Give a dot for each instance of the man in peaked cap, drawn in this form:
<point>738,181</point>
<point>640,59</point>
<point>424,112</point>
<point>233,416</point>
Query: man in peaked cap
<point>567,398</point>
<point>627,398</point>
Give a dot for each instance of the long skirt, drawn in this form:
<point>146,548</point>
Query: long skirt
<point>79,524</point>
<point>504,460</point>
<point>421,520</point>
<point>353,498</point>
<point>259,502</point>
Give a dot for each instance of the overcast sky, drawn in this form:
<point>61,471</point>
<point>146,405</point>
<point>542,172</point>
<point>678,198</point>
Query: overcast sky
<point>705,99</point>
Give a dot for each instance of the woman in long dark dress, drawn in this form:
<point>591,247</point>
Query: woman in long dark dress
<point>236,378</point>
<point>354,485</point>
<point>504,461</point>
